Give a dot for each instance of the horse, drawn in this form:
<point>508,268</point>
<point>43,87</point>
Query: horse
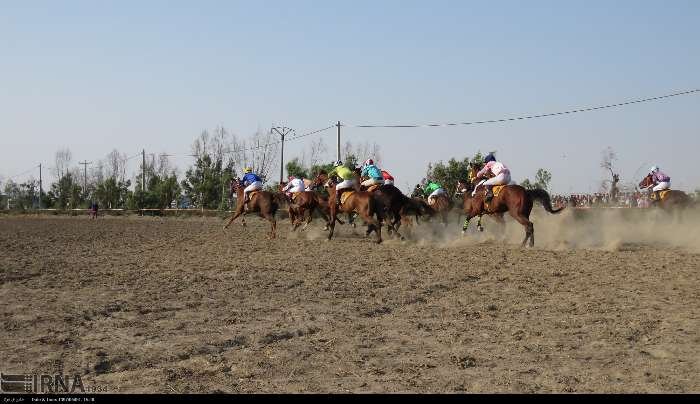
<point>514,199</point>
<point>670,199</point>
<point>360,202</point>
<point>303,204</point>
<point>441,205</point>
<point>397,206</point>
<point>263,202</point>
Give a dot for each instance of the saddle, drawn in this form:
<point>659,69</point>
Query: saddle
<point>662,195</point>
<point>345,195</point>
<point>497,189</point>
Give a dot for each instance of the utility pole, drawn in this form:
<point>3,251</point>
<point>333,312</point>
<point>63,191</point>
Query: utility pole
<point>85,163</point>
<point>143,176</point>
<point>337,154</point>
<point>41,189</point>
<point>282,131</point>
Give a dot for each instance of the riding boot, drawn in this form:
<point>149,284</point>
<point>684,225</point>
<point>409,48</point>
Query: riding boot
<point>489,193</point>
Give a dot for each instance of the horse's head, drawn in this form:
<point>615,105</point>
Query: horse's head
<point>474,169</point>
<point>647,181</point>
<point>320,179</point>
<point>463,186</point>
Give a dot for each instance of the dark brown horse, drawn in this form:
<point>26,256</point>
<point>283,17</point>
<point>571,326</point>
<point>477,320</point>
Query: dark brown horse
<point>360,202</point>
<point>263,202</point>
<point>514,199</point>
<point>670,199</point>
<point>397,207</point>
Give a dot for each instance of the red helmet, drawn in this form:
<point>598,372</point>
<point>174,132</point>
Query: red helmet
<point>368,162</point>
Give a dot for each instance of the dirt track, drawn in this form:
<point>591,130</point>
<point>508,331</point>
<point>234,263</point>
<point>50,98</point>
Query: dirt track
<point>177,305</point>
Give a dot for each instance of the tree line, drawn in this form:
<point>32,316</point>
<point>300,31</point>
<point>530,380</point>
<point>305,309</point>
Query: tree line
<point>218,158</point>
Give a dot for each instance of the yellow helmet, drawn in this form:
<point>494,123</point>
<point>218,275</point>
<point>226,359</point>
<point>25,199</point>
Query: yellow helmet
<point>248,170</point>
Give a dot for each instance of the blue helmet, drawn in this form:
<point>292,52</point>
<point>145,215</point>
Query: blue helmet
<point>490,157</point>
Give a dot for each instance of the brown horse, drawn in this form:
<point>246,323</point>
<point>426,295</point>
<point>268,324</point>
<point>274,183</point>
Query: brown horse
<point>360,202</point>
<point>670,199</point>
<point>397,207</point>
<point>263,202</point>
<point>514,199</point>
<point>441,205</point>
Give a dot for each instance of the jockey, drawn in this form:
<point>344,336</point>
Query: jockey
<point>417,191</point>
<point>251,182</point>
<point>373,172</point>
<point>294,185</point>
<point>661,181</point>
<point>434,189</point>
<point>388,178</point>
<point>346,174</point>
<point>499,172</point>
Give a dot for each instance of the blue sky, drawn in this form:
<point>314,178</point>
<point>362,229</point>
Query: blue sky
<point>93,76</point>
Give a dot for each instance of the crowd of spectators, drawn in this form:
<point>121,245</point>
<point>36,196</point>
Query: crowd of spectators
<point>599,199</point>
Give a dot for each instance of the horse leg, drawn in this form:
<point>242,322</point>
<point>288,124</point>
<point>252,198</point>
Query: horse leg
<point>467,218</point>
<point>273,224</point>
<point>498,217</point>
<point>529,227</point>
<point>478,224</point>
<point>238,213</point>
<point>331,223</point>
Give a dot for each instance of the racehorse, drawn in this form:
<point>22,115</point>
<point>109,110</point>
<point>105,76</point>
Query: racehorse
<point>303,204</point>
<point>670,199</point>
<point>513,199</point>
<point>397,206</point>
<point>263,202</point>
<point>360,202</point>
<point>441,205</point>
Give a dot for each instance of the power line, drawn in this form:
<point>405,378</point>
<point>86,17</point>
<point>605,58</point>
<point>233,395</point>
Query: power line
<point>428,125</point>
<point>278,141</point>
<point>23,173</point>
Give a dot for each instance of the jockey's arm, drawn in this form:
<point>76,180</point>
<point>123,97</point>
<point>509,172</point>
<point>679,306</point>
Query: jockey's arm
<point>483,173</point>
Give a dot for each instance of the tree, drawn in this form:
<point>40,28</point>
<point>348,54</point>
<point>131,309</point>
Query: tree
<point>67,192</point>
<point>22,196</point>
<point>62,160</point>
<point>527,184</point>
<point>542,179</point>
<point>447,174</point>
<point>294,167</point>
<point>354,154</point>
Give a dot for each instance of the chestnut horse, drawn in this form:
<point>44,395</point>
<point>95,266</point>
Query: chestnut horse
<point>513,199</point>
<point>442,205</point>
<point>360,202</point>
<point>263,202</point>
<point>671,199</point>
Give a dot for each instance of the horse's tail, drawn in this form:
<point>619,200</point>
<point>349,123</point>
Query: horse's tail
<point>542,196</point>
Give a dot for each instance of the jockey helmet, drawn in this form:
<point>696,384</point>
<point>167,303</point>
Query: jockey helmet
<point>291,177</point>
<point>368,162</point>
<point>490,157</point>
<point>654,169</point>
<point>248,170</point>
<point>337,163</point>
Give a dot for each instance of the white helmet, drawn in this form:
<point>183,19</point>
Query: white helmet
<point>654,169</point>
<point>337,163</point>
